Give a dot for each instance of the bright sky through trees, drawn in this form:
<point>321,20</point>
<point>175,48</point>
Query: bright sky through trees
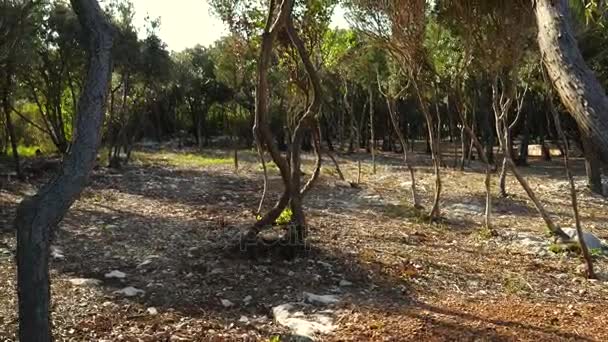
<point>185,23</point>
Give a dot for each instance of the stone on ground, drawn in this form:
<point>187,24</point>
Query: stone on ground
<point>85,282</point>
<point>305,326</point>
<point>57,253</point>
<point>130,291</point>
<point>320,299</point>
<point>591,240</point>
<point>465,209</point>
<point>115,274</point>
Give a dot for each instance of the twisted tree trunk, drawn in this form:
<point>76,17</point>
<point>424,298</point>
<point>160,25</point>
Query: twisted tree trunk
<point>261,127</point>
<point>37,215</point>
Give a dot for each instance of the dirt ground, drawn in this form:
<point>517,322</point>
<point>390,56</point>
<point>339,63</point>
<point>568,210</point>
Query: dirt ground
<point>169,222</point>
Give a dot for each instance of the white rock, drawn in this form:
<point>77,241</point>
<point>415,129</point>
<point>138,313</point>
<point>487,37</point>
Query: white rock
<point>320,299</point>
<point>465,209</point>
<point>144,263</point>
<point>57,253</point>
<point>591,240</point>
<point>291,273</point>
<point>325,264</point>
<point>291,315</point>
<point>531,244</point>
<point>345,283</point>
<point>244,320</point>
<point>217,271</point>
<point>247,299</point>
<point>115,274</point>
<point>406,184</point>
<point>130,291</point>
<point>85,282</point>
<point>341,184</point>
<point>226,303</point>
<point>152,311</point>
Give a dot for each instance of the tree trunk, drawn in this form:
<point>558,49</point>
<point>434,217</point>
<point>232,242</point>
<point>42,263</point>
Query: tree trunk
<point>488,167</point>
<point>464,144</point>
<point>522,160</point>
<point>435,212</point>
<point>371,128</point>
<point>7,116</point>
<point>502,183</point>
<point>200,138</point>
<point>502,129</point>
<point>393,115</point>
<point>577,219</point>
<point>593,167</point>
<point>316,140</point>
<point>578,88</point>
<point>37,215</point>
<point>261,127</point>
<point>298,232</point>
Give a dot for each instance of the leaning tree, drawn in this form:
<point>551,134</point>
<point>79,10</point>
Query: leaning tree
<point>577,86</point>
<point>38,215</point>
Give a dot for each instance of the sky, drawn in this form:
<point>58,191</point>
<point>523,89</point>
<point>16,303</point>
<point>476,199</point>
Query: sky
<point>186,23</point>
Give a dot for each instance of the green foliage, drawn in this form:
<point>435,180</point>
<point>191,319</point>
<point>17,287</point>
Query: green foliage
<point>486,233</point>
<point>285,217</point>
<point>559,248</point>
<point>182,159</point>
<point>402,210</point>
<point>27,151</point>
<point>596,252</point>
<point>514,284</point>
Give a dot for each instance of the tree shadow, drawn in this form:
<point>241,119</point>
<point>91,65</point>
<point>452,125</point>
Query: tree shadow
<point>184,264</point>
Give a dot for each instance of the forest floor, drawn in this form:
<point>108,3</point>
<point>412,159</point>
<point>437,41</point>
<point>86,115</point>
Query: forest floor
<point>168,221</point>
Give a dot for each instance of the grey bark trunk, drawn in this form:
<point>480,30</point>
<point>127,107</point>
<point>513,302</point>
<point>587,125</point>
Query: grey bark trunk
<point>593,167</point>
<point>37,215</point>
<point>578,88</point>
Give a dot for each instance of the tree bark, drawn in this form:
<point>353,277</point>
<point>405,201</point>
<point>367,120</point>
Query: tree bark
<point>477,144</point>
<point>6,105</point>
<point>316,140</point>
<point>308,120</point>
<point>501,107</point>
<point>435,212</point>
<point>522,159</point>
<point>371,128</point>
<point>593,167</point>
<point>578,88</point>
<point>37,215</point>
<point>393,115</point>
<point>573,197</point>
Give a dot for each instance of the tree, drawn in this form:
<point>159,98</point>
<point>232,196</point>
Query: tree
<point>400,26</point>
<point>38,215</point>
<point>14,19</point>
<point>199,87</point>
<point>53,81</point>
<point>391,96</point>
<point>578,88</point>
